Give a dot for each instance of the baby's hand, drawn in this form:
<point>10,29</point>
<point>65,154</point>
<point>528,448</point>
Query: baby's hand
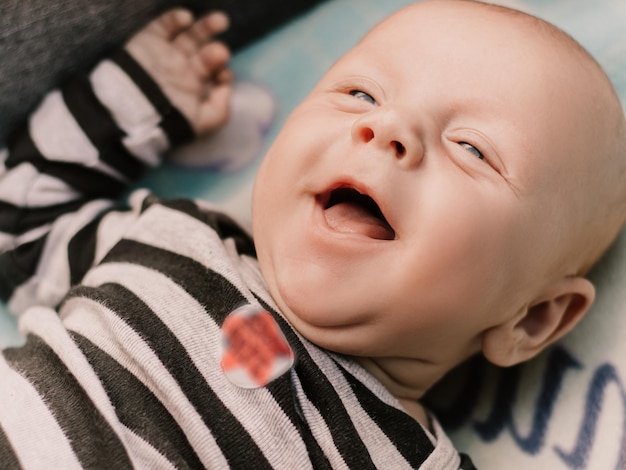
<point>190,67</point>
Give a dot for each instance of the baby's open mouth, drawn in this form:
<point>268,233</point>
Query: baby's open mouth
<point>349,211</point>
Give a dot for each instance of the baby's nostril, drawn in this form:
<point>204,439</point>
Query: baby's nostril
<point>399,148</point>
<point>367,134</point>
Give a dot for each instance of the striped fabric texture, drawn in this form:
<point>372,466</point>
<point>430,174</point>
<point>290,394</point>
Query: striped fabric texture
<point>122,305</point>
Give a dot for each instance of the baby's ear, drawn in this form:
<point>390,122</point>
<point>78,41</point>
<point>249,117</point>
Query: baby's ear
<point>549,317</point>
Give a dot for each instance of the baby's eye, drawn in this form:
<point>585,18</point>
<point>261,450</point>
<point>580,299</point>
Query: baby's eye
<point>363,96</point>
<point>473,150</point>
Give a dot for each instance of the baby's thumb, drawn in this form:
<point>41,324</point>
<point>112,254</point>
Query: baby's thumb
<point>215,109</point>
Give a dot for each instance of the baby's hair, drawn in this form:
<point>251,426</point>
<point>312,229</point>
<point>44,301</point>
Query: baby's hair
<point>552,32</point>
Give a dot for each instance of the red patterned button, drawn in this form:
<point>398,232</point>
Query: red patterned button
<point>254,351</point>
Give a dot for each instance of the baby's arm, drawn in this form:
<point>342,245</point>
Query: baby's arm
<point>62,173</point>
<point>190,68</point>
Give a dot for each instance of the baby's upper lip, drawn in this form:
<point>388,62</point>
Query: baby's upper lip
<point>362,202</point>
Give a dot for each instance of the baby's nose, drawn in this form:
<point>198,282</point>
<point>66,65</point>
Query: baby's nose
<point>387,129</point>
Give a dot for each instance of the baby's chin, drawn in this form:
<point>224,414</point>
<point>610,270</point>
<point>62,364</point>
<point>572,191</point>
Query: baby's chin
<point>324,316</point>
<point>343,334</point>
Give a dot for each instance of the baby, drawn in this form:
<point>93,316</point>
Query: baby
<point>441,193</point>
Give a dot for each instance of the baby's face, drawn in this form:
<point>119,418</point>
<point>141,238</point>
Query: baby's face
<point>401,211</point>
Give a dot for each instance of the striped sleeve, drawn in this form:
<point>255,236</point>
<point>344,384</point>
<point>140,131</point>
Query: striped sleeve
<point>61,174</point>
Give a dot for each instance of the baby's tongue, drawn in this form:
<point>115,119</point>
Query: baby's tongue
<point>349,217</point>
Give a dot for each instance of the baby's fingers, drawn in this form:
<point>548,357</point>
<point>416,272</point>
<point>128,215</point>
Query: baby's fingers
<point>171,23</point>
<point>208,26</point>
<point>211,59</point>
<point>201,32</point>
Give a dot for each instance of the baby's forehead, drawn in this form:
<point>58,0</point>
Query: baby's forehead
<point>516,39</point>
<point>478,15</point>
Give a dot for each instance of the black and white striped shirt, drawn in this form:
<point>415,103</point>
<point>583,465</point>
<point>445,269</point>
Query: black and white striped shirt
<point>122,306</point>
